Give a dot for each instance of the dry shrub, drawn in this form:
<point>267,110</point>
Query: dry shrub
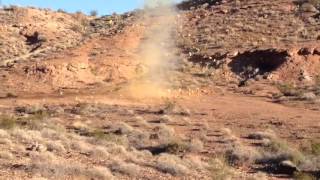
<point>140,157</point>
<point>138,138</point>
<point>304,176</point>
<point>55,146</point>
<point>99,153</point>
<point>6,155</point>
<point>315,148</point>
<point>6,142</point>
<point>123,128</point>
<point>171,164</point>
<point>288,89</point>
<point>100,173</point>
<point>26,136</point>
<point>278,150</point>
<point>220,170</point>
<point>239,154</point>
<point>141,121</point>
<point>195,162</point>
<point>53,134</point>
<point>262,135</point>
<point>165,133</point>
<point>7,122</point>
<point>47,165</point>
<point>80,145</point>
<point>115,149</point>
<point>125,168</point>
<point>4,133</point>
<point>165,119</point>
<point>196,145</point>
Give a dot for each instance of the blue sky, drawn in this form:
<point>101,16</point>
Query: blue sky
<point>102,6</point>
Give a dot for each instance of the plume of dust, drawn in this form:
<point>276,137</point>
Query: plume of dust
<point>155,52</point>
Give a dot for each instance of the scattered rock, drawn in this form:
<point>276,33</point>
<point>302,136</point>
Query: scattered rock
<point>287,167</point>
<point>306,51</point>
<point>307,7</point>
<point>316,51</point>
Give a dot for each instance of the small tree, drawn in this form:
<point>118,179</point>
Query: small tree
<point>93,13</point>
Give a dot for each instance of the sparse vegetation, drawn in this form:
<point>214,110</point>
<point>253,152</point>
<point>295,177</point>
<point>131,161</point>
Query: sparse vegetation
<point>61,10</point>
<point>288,89</point>
<point>171,164</point>
<point>303,176</point>
<point>239,155</point>
<point>5,155</point>
<point>102,136</point>
<point>7,122</point>
<point>125,168</point>
<point>315,148</point>
<point>220,170</point>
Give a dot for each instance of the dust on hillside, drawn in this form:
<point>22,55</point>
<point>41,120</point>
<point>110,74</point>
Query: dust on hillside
<point>155,52</point>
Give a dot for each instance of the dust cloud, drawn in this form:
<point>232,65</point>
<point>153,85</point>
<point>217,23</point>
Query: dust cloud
<point>156,56</point>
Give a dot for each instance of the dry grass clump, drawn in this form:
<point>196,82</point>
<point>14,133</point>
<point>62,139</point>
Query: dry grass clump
<point>3,134</point>
<point>196,145</point>
<point>228,137</point>
<point>116,149</point>
<point>171,164</point>
<point>165,119</point>
<point>315,148</point>
<point>195,162</point>
<point>7,122</point>
<point>100,173</point>
<point>277,150</point>
<point>141,121</point>
<point>55,146</point>
<point>6,141</point>
<point>165,134</point>
<point>123,128</point>
<point>121,167</point>
<point>26,136</point>
<point>49,166</point>
<point>239,154</point>
<point>99,136</point>
<point>177,146</point>
<point>54,134</point>
<point>304,176</point>
<point>6,155</point>
<point>140,157</point>
<point>99,152</point>
<point>220,170</point>
<point>288,89</point>
<point>80,145</point>
<point>138,138</point>
<point>262,135</point>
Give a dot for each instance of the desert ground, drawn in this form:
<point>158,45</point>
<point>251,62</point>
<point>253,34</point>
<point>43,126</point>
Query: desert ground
<point>205,89</point>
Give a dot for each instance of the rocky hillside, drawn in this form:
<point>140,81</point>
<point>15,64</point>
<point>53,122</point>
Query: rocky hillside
<point>212,89</point>
<point>253,37</point>
<point>33,34</point>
